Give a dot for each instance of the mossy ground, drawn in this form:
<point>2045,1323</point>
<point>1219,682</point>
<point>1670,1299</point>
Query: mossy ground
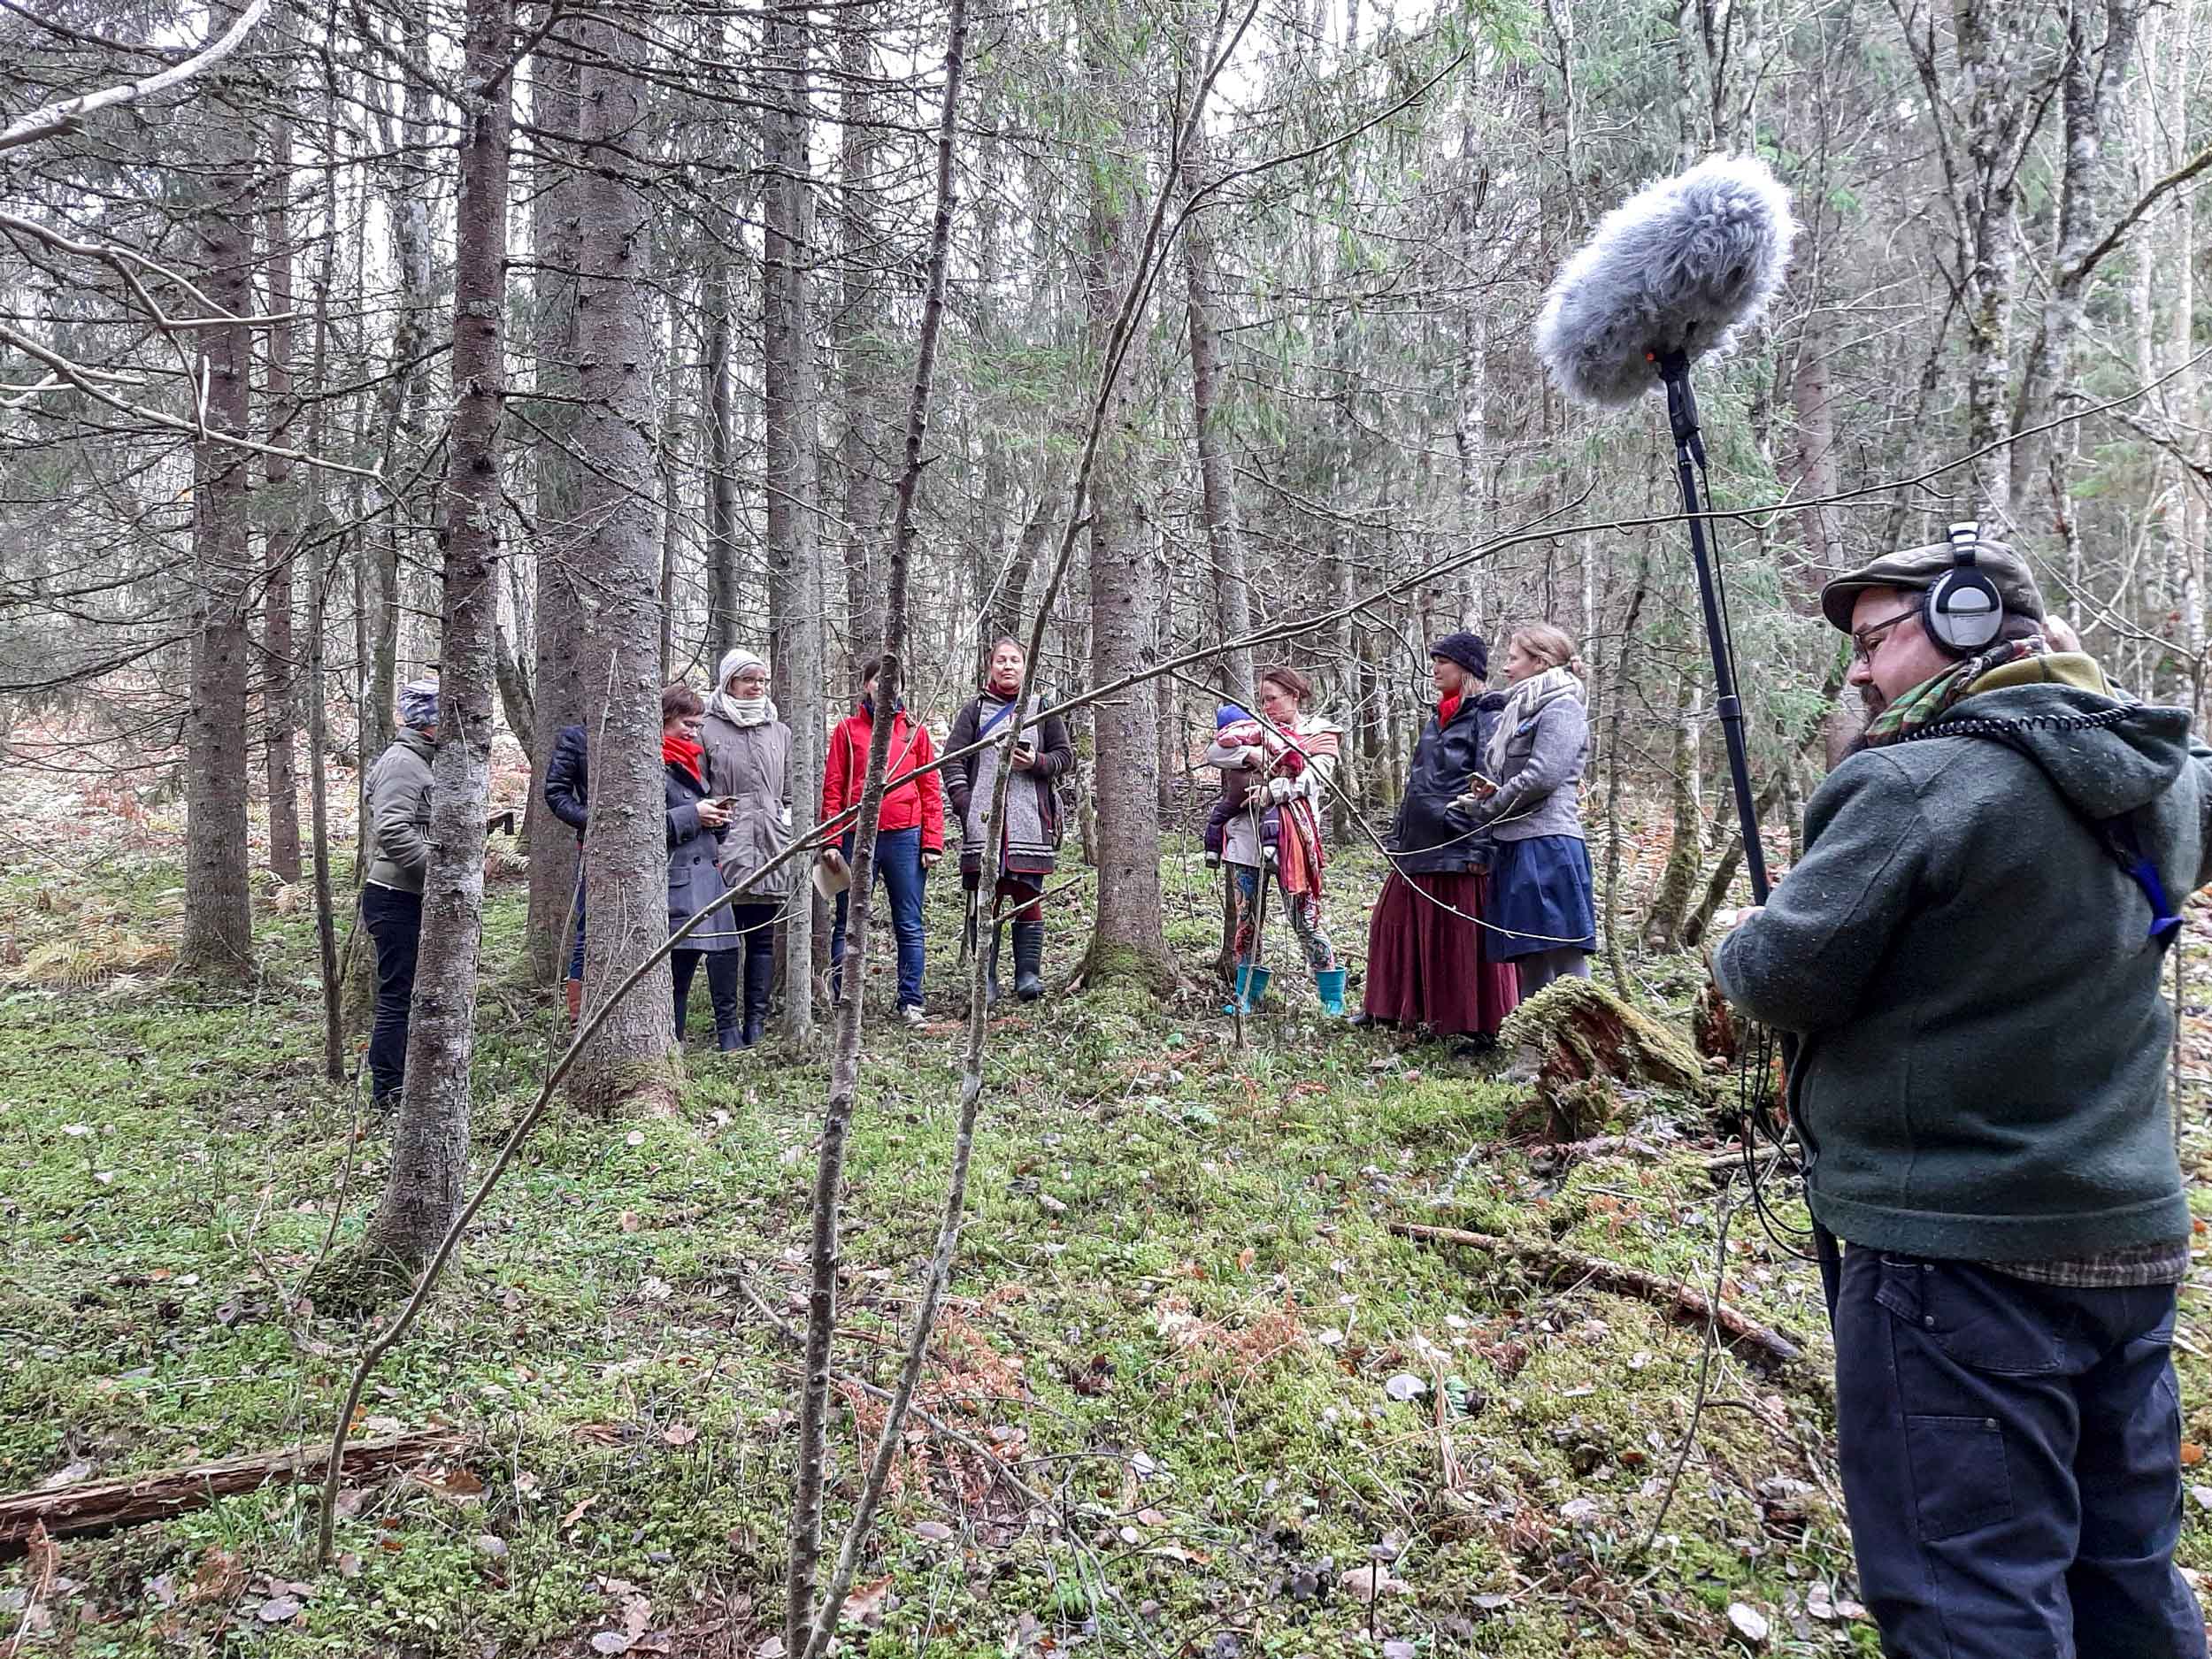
<point>1178,1313</point>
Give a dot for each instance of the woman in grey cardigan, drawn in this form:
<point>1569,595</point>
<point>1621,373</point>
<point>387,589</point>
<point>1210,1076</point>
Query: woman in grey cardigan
<point>1539,915</point>
<point>748,767</point>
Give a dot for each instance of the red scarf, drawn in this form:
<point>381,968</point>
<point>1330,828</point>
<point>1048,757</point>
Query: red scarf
<point>1448,708</point>
<point>685,752</point>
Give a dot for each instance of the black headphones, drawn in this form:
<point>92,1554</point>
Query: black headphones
<point>1962,612</point>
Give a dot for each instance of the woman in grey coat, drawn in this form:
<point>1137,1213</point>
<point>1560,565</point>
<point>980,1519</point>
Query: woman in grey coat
<point>749,768</point>
<point>696,823</point>
<point>1541,914</point>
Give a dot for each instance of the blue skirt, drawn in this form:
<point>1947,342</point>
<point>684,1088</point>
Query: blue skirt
<point>1540,897</point>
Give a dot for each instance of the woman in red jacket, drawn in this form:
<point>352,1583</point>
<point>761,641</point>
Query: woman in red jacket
<point>910,838</point>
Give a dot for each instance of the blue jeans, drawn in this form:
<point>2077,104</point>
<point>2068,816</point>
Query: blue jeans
<point>2011,1462</point>
<point>899,864</point>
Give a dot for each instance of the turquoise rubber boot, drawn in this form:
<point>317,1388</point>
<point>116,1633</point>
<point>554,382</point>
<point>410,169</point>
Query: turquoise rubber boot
<point>1330,983</point>
<point>1251,989</point>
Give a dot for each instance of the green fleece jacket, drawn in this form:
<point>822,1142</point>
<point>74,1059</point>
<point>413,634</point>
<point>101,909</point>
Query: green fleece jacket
<point>1982,1072</point>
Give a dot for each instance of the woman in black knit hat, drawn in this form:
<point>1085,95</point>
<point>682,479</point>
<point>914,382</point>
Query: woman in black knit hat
<point>1427,962</point>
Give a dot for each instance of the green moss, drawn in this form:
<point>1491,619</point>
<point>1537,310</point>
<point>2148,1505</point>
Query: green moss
<point>1189,1345</point>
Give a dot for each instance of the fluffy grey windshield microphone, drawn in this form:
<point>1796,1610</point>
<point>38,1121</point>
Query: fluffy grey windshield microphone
<point>1679,265</point>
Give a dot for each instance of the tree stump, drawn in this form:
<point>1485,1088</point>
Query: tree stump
<point>1713,1022</point>
<point>1575,1046</point>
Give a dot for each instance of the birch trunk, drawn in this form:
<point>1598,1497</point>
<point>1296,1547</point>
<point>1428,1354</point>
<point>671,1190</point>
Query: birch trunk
<point>857,335</point>
<point>1216,470</point>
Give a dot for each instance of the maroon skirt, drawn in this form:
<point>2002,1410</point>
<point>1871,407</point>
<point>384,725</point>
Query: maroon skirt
<point>1426,966</point>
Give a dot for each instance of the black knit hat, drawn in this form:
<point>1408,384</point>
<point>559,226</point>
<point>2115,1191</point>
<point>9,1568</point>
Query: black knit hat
<point>1466,649</point>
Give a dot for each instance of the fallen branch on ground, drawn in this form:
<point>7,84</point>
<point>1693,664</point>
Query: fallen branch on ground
<point>1679,1300</point>
<point>92,1506</point>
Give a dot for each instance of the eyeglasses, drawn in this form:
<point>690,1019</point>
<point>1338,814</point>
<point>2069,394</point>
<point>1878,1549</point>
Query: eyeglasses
<point>1867,640</point>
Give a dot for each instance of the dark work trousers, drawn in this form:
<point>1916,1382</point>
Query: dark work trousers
<point>2011,1457</point>
<point>394,923</point>
<point>726,971</point>
<point>576,951</point>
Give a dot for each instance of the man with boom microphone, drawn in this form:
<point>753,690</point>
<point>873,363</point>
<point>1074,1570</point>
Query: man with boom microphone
<point>1969,953</point>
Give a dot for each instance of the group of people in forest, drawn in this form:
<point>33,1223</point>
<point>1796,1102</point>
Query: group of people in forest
<point>727,784</point>
<point>1967,960</point>
<point>1488,897</point>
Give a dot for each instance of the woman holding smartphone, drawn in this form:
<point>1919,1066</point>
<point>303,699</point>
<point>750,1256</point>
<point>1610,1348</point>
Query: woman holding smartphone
<point>1029,839</point>
<point>1429,966</point>
<point>1542,911</point>
<point>748,773</point>
<point>696,823</point>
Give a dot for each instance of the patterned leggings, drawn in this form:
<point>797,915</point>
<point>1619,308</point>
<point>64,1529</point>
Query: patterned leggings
<point>1303,910</point>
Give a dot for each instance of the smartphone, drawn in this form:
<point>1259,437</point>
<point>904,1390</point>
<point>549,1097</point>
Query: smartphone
<point>727,802</point>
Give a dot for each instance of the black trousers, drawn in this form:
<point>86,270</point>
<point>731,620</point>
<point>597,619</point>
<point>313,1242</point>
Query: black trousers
<point>724,974</point>
<point>394,923</point>
<point>2011,1458</point>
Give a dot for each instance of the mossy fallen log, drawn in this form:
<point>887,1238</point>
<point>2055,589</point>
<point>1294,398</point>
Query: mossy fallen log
<point>1680,1301</point>
<point>1576,1045</point>
<point>92,1506</point>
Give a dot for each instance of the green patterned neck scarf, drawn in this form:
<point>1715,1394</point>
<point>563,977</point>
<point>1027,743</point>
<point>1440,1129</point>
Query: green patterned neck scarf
<point>1933,698</point>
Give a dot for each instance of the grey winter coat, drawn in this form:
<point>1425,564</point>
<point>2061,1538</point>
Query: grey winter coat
<point>399,813</point>
<point>1543,763</point>
<point>695,878</point>
<point>752,765</point>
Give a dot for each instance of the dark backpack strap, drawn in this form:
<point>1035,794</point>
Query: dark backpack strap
<point>2126,847</point>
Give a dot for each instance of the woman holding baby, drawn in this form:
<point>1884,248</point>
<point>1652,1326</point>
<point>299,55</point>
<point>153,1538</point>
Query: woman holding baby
<point>1286,758</point>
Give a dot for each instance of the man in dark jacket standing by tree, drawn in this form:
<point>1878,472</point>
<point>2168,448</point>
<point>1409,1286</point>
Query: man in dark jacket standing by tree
<point>568,792</point>
<point>1969,953</point>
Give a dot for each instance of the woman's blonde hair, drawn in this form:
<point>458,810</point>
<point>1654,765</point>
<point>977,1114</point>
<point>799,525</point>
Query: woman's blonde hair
<point>1550,645</point>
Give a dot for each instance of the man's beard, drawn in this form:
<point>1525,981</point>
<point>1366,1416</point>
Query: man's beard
<point>1872,700</point>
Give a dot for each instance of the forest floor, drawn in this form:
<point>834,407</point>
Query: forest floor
<point>1237,1401</point>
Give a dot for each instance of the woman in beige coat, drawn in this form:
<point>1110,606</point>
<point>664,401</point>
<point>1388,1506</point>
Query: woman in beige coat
<point>748,767</point>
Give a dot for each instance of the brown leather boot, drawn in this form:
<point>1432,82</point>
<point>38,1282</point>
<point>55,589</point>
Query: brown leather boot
<point>575,991</point>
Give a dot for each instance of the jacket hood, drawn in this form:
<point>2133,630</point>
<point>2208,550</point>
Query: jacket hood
<point>419,742</point>
<point>2103,771</point>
